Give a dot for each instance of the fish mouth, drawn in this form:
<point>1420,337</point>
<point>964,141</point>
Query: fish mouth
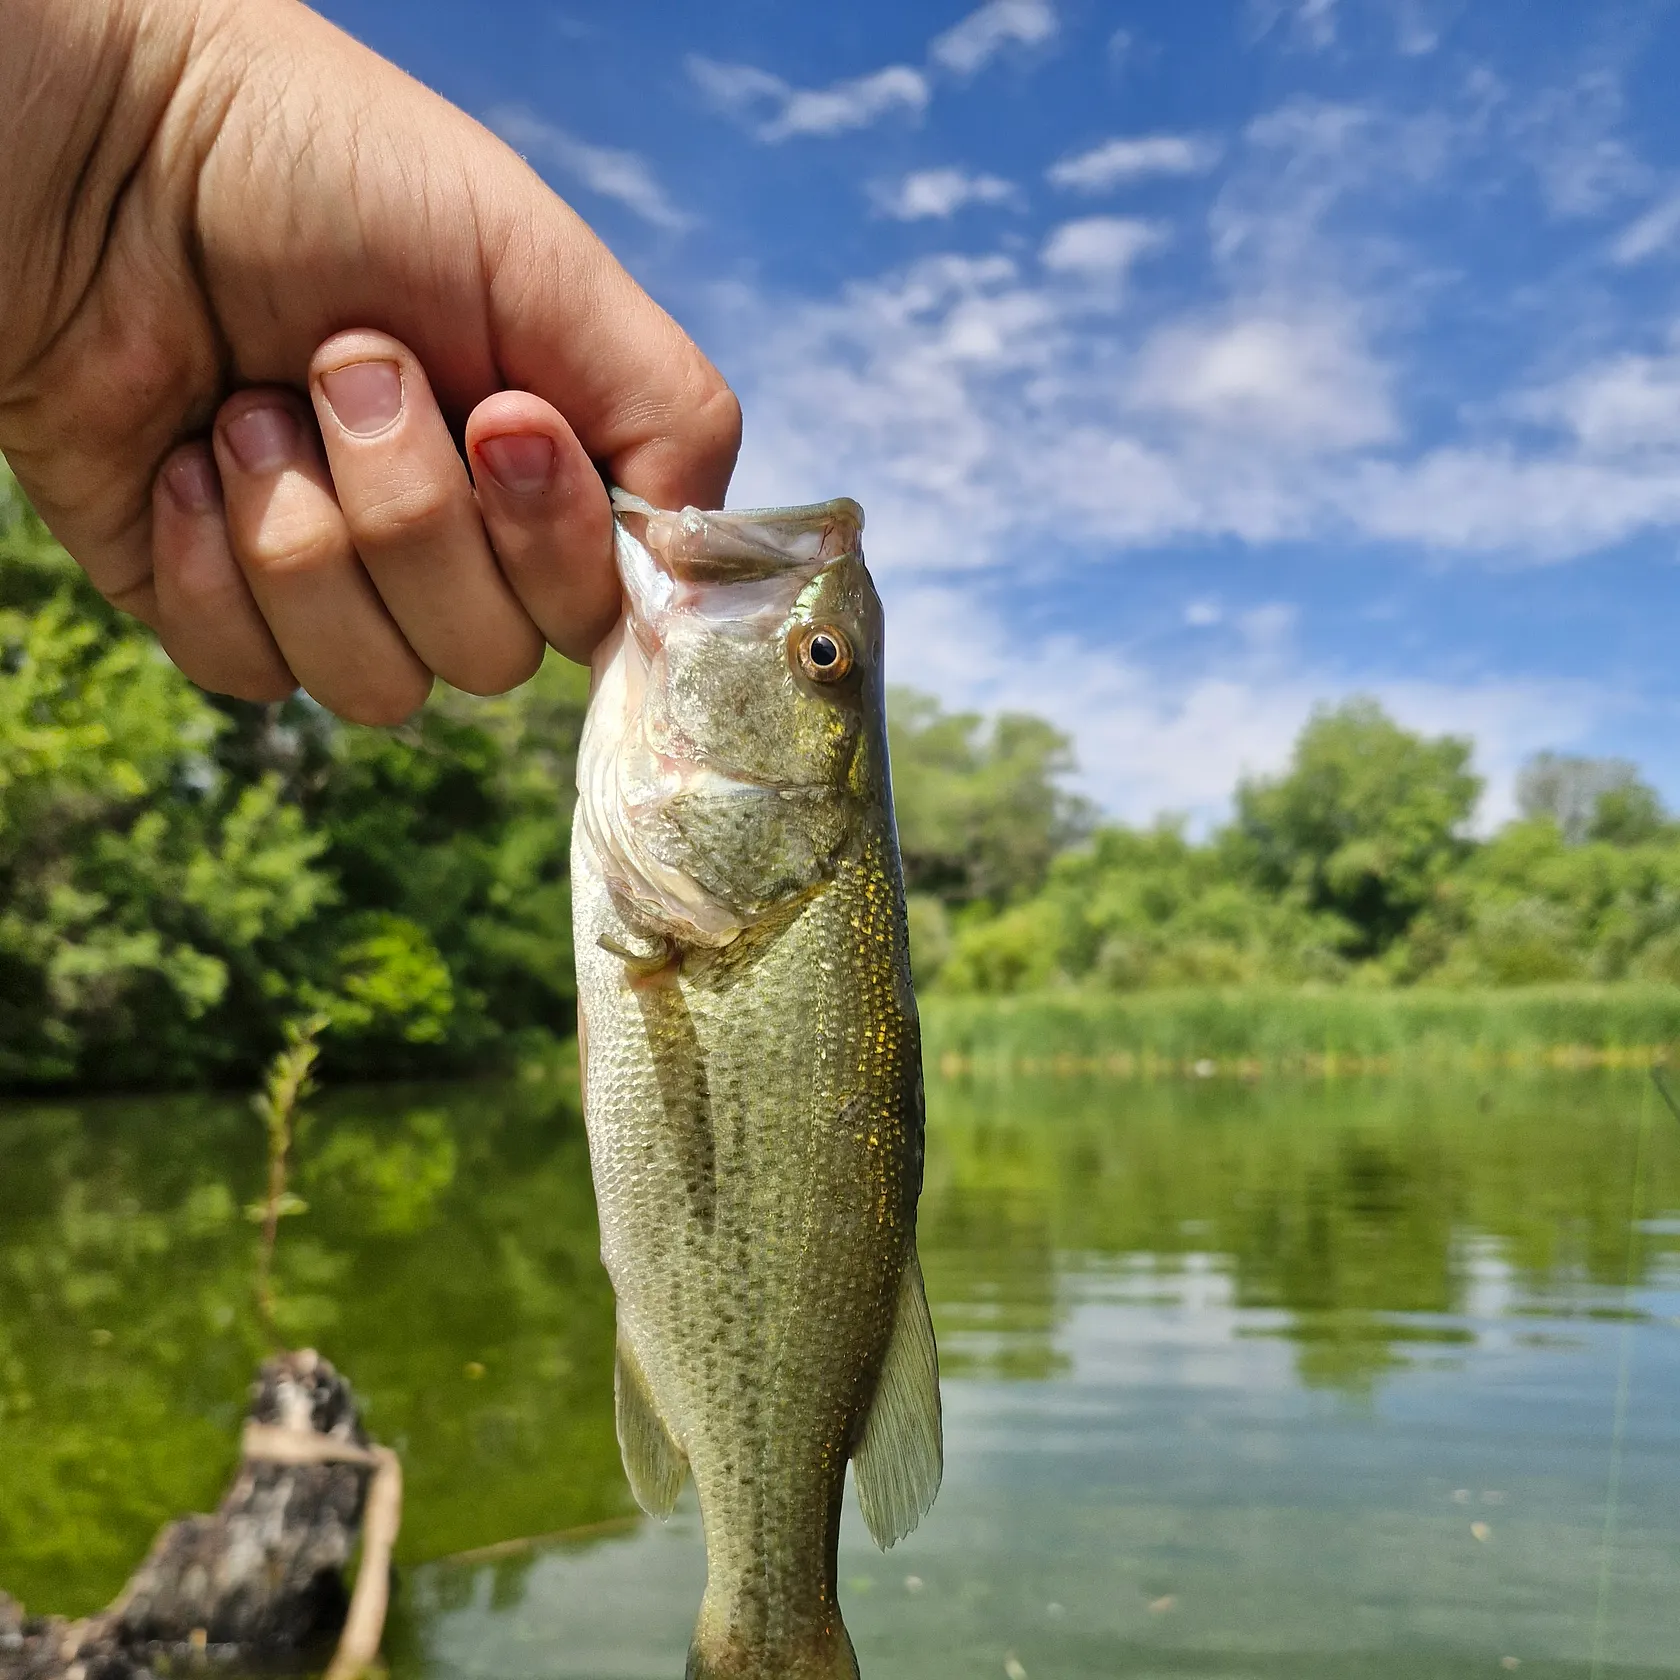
<point>738,565</point>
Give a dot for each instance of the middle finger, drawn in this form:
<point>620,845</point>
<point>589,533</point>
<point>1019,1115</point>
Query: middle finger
<point>412,514</point>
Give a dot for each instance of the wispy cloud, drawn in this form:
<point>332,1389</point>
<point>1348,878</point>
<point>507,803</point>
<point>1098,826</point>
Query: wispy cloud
<point>990,406</point>
<point>1655,231</point>
<point>1311,23</point>
<point>1099,247</point>
<point>1303,380</point>
<point>936,194</point>
<point>779,110</point>
<point>974,42</point>
<point>1116,162</point>
<point>1572,135</point>
<point>619,175</point>
<point>1155,736</point>
<point>948,394</point>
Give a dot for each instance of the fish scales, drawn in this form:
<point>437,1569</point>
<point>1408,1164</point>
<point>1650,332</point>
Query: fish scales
<point>752,1069</point>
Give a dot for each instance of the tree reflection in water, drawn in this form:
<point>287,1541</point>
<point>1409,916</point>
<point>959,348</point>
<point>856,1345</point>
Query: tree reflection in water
<point>448,1262</point>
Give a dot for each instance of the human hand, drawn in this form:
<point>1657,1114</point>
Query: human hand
<point>266,209</point>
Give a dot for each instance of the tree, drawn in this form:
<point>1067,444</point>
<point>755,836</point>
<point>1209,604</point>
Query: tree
<point>1366,822</point>
<point>179,872</point>
<point>1590,798</point>
<point>980,812</point>
<point>149,905</point>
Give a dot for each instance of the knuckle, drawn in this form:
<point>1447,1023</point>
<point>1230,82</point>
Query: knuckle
<point>406,518</point>
<point>189,588</point>
<point>285,550</point>
<point>717,414</point>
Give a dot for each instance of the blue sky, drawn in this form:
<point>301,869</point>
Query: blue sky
<point>1194,363</point>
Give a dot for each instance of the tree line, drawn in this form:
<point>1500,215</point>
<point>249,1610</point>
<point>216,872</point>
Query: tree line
<point>180,873</point>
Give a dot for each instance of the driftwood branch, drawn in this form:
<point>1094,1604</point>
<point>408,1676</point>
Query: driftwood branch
<point>263,1577</point>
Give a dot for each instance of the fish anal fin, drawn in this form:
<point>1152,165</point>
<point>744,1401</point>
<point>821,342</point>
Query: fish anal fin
<point>652,1460</point>
<point>901,1455</point>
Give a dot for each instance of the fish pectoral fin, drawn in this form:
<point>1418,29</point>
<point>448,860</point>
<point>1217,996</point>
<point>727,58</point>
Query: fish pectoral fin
<point>901,1457</point>
<point>652,1460</point>
<point>640,965</point>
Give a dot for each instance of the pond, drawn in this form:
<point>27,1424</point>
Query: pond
<point>1358,1378</point>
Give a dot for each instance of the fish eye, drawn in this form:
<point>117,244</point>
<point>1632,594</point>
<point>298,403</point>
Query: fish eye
<point>825,655</point>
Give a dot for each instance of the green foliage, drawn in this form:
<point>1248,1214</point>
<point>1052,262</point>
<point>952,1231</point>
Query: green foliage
<point>179,874</point>
<point>1353,867</point>
<point>1365,824</point>
<point>1590,798</point>
<point>286,1085</point>
<point>148,903</point>
<point>980,813</point>
<point>1268,1028</point>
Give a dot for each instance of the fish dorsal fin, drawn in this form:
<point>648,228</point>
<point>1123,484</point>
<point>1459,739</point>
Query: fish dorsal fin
<point>899,1460</point>
<point>652,1460</point>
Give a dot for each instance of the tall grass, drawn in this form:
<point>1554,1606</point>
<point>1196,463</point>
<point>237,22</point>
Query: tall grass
<point>1252,1031</point>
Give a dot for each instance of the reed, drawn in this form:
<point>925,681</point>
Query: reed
<point>1252,1031</point>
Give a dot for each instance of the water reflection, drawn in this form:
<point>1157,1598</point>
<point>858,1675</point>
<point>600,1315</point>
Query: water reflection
<point>1292,1379</point>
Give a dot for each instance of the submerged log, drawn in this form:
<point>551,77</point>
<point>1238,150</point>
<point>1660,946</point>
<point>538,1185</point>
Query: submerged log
<point>263,1578</point>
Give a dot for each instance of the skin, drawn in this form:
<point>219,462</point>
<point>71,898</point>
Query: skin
<point>307,369</point>
<point>754,1106</point>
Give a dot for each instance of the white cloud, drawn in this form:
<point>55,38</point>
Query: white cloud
<point>1001,418</point>
<point>950,396</point>
<point>614,174</point>
<point>1493,499</point>
<point>1301,382</point>
<point>1607,469</point>
<point>971,44</point>
<point>940,193</point>
<point>1311,22</point>
<point>1099,247</point>
<point>781,111</point>
<point>997,415</point>
<point>1655,231</point>
<point>1571,136</point>
<point>1621,407</point>
<point>1116,162</point>
<point>1416,33</point>
<point>1153,738</point>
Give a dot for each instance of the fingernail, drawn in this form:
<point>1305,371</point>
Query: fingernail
<point>520,465</point>
<point>263,439</point>
<point>365,397</point>
<point>191,480</point>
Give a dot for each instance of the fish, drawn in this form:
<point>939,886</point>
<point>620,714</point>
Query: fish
<point>751,1065</point>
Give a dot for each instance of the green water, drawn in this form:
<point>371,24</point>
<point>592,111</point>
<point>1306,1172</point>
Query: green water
<point>1368,1378</point>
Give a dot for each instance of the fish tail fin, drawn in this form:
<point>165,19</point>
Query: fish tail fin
<point>720,1654</point>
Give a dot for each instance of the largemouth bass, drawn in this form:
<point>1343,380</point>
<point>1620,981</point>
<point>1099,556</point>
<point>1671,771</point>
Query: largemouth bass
<point>752,1065</point>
